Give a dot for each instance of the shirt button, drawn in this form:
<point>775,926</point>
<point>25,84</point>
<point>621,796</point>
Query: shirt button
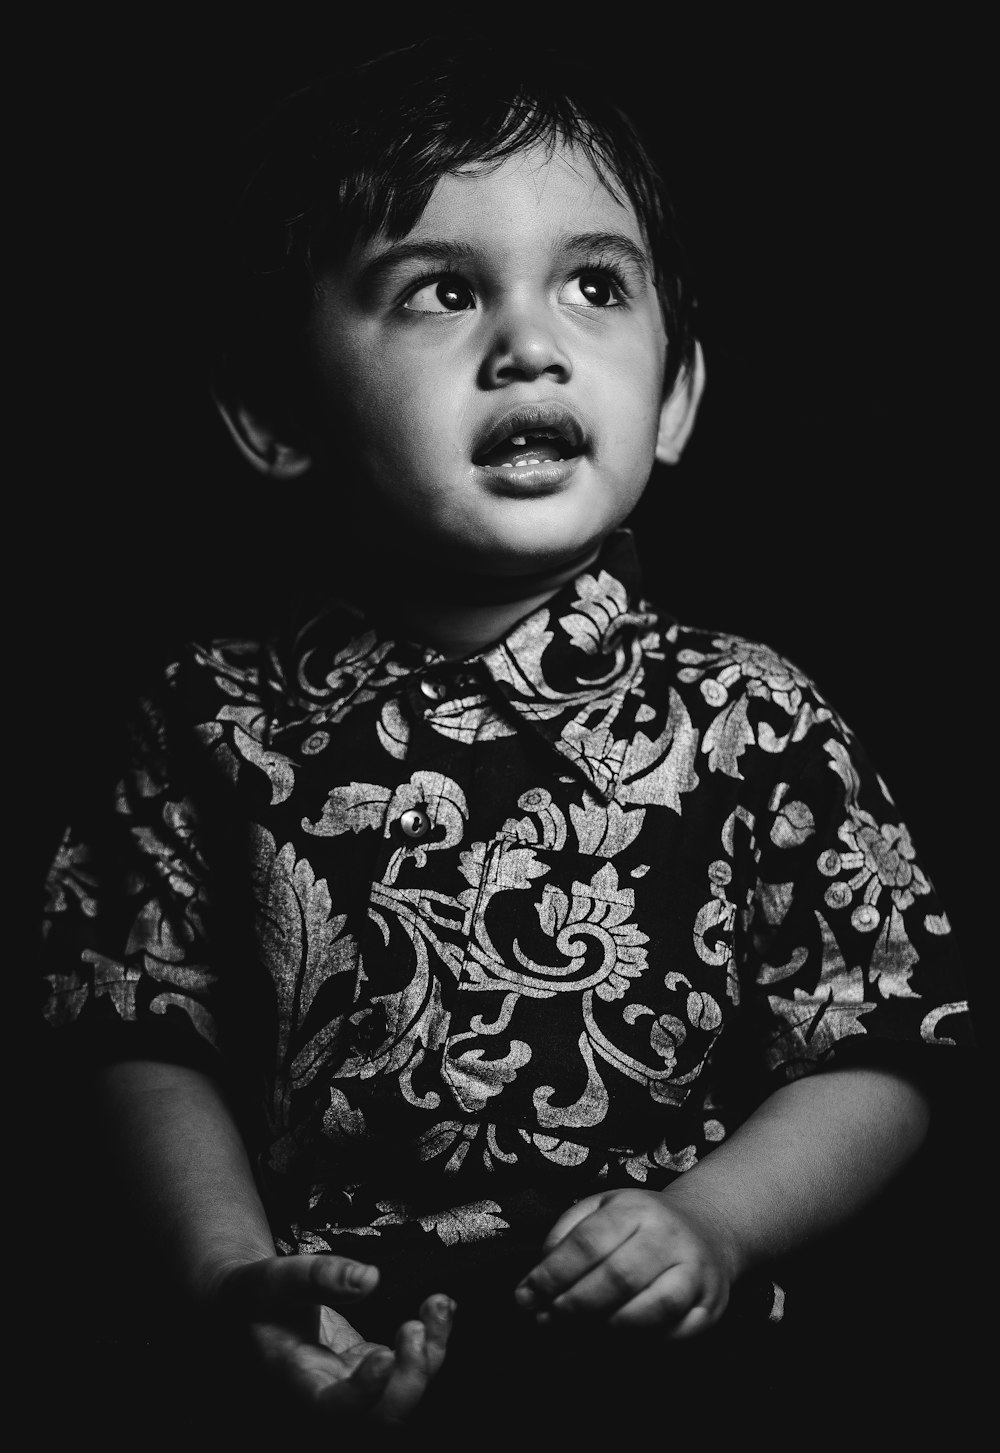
<point>433,688</point>
<point>415,824</point>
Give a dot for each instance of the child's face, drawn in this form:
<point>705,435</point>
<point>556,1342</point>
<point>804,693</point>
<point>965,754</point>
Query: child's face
<point>524,288</point>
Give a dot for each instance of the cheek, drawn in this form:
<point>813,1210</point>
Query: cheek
<point>634,397</point>
<point>407,411</point>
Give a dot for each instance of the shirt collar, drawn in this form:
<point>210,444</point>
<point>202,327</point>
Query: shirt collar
<point>565,670</point>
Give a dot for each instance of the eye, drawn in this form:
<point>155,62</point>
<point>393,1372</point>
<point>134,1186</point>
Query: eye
<point>591,290</point>
<point>441,295</point>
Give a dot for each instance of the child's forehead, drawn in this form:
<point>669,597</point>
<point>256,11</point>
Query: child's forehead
<point>538,195</point>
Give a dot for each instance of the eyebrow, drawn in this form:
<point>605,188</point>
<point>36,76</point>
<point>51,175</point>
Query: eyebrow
<point>617,242</point>
<point>430,250</point>
<point>450,254</point>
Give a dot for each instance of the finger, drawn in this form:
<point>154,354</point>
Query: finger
<point>668,1301</point>
<point>569,1219</point>
<point>585,1247</point>
<point>437,1314</point>
<point>318,1377</point>
<point>361,1391</point>
<point>626,1271</point>
<point>302,1280</point>
<point>409,1378</point>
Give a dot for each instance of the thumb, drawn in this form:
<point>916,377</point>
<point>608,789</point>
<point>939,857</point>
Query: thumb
<point>302,1280</point>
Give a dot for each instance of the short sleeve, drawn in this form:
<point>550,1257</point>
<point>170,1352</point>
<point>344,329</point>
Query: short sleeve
<point>125,956</point>
<point>850,950</point>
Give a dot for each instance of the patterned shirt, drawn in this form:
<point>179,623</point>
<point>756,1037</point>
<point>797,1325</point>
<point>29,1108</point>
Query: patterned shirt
<point>472,939</point>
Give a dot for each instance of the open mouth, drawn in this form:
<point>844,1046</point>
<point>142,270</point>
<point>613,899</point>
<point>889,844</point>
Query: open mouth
<point>518,451</point>
<point>533,435</point>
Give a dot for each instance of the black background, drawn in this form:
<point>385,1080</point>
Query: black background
<point>831,180</point>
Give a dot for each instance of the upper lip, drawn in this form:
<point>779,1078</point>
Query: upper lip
<point>529,418</point>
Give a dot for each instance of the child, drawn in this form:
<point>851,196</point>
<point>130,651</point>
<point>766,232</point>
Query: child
<point>487,945</point>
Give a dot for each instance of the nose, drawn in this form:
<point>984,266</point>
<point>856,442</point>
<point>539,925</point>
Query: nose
<point>525,345</point>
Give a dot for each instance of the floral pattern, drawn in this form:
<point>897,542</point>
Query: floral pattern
<point>508,916</point>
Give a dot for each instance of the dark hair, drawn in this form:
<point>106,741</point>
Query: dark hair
<point>359,151</point>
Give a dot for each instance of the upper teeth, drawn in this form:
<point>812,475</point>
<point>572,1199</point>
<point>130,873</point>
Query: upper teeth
<point>537,433</point>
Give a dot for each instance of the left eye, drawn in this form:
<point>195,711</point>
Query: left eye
<point>445,295</point>
<point>590,290</point>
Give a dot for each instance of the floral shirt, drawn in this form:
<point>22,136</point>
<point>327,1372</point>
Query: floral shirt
<point>472,939</point>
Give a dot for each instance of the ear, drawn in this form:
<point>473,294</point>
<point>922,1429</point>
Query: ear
<point>261,441</point>
<point>678,412</point>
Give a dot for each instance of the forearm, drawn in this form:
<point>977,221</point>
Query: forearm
<point>178,1155</point>
<point>815,1152</point>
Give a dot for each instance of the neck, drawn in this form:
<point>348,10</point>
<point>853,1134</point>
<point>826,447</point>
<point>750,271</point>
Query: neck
<point>461,614</point>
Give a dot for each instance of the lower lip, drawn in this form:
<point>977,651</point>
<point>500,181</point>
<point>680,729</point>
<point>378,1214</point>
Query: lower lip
<point>531,479</point>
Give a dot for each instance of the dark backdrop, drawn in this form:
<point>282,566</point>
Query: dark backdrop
<point>829,177</point>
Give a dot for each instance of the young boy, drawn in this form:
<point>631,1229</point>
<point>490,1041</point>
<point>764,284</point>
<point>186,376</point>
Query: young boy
<point>489,944</point>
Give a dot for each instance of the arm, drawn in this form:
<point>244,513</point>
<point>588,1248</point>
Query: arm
<point>178,1153</point>
<point>175,1149</point>
<point>815,1152</point>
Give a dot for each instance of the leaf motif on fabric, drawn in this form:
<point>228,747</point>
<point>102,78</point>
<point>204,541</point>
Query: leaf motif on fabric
<point>728,735</point>
<point>774,901</point>
<point>162,940</point>
<point>469,720</point>
<point>600,601</point>
<point>440,1138</point>
<point>768,739</point>
<point>549,831</point>
<point>813,1025</point>
<point>590,1109</point>
<point>354,807</point>
<point>552,909</point>
<point>476,1080</point>
<point>414,1018</point>
<point>666,1035</point>
<point>793,825</point>
<point>477,1221</point>
<point>929,1023</point>
<point>703,1011</point>
<point>393,730</point>
<point>606,831</point>
<point>714,922</point>
<point>69,994</point>
<point>342,1124</point>
<point>893,959</point>
<point>773,973</point>
<point>560,1152</point>
<point>500,866</point>
<point>658,772</point>
<point>842,764</point>
<point>197,1013</point>
<point>277,768</point>
<point>680,1160</point>
<point>518,661</point>
<point>301,942</point>
<point>445,800</point>
<point>71,876</point>
<point>193,978</point>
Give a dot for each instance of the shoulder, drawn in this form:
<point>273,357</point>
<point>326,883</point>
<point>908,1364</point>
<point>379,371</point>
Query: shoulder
<point>201,677</point>
<point>740,693</point>
<point>723,665</point>
<point>196,690</point>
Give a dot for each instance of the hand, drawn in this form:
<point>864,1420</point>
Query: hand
<point>636,1259</point>
<point>288,1304</point>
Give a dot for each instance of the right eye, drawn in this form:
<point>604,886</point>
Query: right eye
<point>441,295</point>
